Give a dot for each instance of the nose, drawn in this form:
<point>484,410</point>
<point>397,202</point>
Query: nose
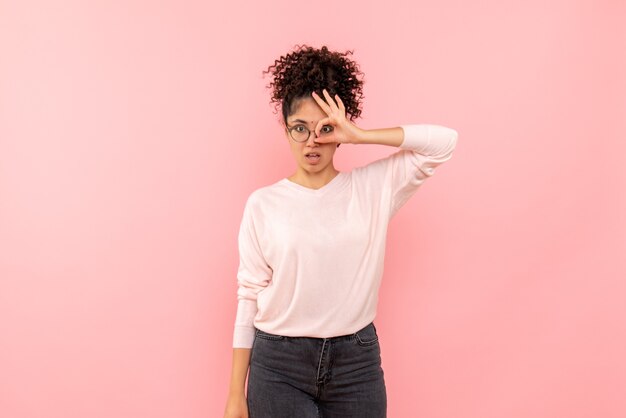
<point>312,139</point>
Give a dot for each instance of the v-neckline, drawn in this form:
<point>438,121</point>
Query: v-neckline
<point>322,190</point>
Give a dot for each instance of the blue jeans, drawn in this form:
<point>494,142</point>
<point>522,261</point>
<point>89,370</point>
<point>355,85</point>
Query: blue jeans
<point>306,377</point>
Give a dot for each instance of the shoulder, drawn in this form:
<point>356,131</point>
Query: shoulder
<point>262,194</point>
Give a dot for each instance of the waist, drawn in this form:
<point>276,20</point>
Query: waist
<point>337,338</point>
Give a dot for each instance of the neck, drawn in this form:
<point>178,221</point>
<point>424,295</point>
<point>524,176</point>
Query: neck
<point>314,180</point>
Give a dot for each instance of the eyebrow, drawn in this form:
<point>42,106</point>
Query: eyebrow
<point>300,120</point>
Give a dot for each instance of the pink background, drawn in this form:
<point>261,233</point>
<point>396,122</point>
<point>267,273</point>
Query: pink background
<point>132,132</point>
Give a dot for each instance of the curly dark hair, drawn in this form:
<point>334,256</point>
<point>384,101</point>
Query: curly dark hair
<point>306,70</point>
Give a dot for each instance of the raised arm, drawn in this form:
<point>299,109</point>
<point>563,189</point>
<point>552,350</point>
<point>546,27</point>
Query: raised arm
<point>426,139</point>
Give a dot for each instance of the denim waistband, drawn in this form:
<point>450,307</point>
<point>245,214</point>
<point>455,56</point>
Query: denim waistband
<point>336,338</point>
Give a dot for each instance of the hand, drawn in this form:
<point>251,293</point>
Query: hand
<point>236,407</point>
<point>344,131</point>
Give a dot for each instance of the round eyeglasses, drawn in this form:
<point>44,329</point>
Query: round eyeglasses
<point>300,133</point>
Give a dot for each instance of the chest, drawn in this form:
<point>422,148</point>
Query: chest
<point>322,229</point>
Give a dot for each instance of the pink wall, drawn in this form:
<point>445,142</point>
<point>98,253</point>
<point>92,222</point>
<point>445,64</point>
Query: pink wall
<point>130,137</point>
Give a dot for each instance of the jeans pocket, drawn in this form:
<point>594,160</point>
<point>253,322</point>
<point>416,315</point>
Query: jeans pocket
<point>367,336</point>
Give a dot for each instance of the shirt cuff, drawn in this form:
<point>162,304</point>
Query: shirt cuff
<point>244,332</point>
<point>243,337</point>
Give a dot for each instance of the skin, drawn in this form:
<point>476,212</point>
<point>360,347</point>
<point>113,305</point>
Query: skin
<point>310,175</point>
<point>313,111</point>
<point>317,112</point>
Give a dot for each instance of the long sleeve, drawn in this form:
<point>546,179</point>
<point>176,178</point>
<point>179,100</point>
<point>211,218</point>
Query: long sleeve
<point>305,252</point>
<point>425,146</point>
<point>253,275</point>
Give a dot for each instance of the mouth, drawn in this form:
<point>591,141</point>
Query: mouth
<point>312,157</point>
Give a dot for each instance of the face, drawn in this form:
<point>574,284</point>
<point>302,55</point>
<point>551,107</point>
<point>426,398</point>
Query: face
<point>309,113</point>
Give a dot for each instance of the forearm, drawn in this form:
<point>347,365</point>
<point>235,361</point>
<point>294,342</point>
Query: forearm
<point>241,362</point>
<point>384,136</point>
<point>426,139</point>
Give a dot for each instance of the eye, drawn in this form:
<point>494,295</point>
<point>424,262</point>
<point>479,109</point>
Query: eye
<point>299,128</point>
<point>325,130</point>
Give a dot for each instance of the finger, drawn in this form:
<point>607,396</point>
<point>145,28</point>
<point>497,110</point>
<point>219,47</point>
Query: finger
<point>322,103</point>
<point>325,139</point>
<point>341,106</point>
<point>329,137</point>
<point>330,100</point>
<point>320,124</point>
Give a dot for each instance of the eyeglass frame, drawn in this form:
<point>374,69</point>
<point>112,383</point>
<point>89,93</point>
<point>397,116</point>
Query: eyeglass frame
<point>289,129</point>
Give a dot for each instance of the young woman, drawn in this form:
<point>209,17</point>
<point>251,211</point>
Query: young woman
<point>311,249</point>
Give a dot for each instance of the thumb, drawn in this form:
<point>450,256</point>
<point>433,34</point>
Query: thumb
<point>320,124</point>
